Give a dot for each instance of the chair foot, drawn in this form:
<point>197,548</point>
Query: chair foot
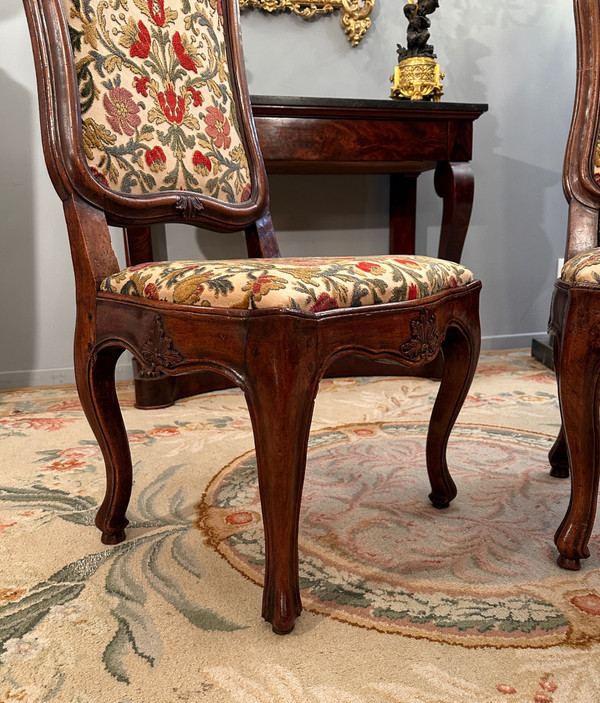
<point>277,631</point>
<point>439,503</point>
<point>569,564</point>
<point>560,471</point>
<point>281,611</point>
<point>113,537</point>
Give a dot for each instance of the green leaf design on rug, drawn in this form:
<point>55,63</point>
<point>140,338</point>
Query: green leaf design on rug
<point>138,566</point>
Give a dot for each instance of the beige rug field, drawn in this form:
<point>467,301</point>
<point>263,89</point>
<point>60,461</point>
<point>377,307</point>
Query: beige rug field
<point>403,603</point>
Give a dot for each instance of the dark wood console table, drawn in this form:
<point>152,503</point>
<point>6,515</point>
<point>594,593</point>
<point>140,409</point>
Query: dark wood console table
<point>345,136</point>
<point>400,138</point>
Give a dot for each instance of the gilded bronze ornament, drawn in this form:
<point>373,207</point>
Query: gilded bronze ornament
<point>417,75</point>
<point>355,13</point>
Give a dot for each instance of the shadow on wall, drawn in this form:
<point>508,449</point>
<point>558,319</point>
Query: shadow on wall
<point>18,280</point>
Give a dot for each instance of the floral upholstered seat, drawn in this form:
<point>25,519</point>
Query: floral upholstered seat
<point>583,268</point>
<point>302,284</point>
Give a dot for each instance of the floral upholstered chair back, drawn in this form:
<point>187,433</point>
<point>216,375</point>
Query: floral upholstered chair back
<point>157,106</point>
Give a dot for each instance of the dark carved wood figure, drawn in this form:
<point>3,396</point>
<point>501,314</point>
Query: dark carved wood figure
<point>575,314</point>
<point>146,119</point>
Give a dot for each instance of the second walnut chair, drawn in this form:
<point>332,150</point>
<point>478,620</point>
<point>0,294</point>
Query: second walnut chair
<point>146,118</point>
<point>575,315</point>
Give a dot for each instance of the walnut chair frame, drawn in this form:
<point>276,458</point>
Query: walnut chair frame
<point>575,312</point>
<point>276,356</point>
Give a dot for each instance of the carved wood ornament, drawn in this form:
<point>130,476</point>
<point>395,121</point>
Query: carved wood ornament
<point>355,13</point>
<point>158,350</point>
<point>425,341</point>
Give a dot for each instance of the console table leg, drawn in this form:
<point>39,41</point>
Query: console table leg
<point>454,183</point>
<point>403,213</point>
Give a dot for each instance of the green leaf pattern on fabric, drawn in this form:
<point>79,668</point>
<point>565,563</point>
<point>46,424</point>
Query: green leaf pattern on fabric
<point>156,99</point>
<point>308,284</point>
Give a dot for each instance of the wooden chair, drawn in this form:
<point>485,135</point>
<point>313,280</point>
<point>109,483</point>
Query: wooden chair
<point>575,314</point>
<point>146,118</point>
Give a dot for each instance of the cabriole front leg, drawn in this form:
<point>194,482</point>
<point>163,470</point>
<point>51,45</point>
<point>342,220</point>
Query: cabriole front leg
<point>281,390</point>
<point>96,386</point>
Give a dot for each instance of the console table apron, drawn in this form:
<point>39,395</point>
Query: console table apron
<point>342,136</point>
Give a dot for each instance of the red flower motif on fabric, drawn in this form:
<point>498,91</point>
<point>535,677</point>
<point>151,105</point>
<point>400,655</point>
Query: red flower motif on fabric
<point>122,112</point>
<point>413,291</point>
<point>367,266</point>
<point>141,48</point>
<point>141,85</point>
<point>407,262</point>
<point>218,127</point>
<point>184,58</point>
<point>151,291</point>
<point>172,105</point>
<point>157,11</point>
<point>246,193</point>
<point>99,176</point>
<point>156,159</point>
<point>324,302</point>
<point>202,164</point>
<point>452,282</point>
<point>196,95</point>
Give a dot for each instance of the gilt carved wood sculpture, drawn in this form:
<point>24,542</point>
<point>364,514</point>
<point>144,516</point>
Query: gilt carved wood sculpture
<point>146,118</point>
<point>575,313</point>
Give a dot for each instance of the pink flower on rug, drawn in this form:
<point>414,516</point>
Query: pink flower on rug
<point>73,458</point>
<point>242,518</point>
<point>164,432</point>
<point>66,405</point>
<point>589,604</point>
<point>506,688</point>
<point>122,112</point>
<point>50,424</point>
<point>548,685</point>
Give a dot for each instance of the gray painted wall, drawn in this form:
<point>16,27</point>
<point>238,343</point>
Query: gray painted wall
<point>515,55</point>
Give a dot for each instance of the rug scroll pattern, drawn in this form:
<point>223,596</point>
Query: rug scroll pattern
<point>403,603</point>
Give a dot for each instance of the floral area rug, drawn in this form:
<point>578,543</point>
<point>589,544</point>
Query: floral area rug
<point>403,603</point>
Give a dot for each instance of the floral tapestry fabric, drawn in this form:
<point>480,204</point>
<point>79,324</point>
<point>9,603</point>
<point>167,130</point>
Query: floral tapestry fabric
<point>156,99</point>
<point>583,268</point>
<point>309,284</point>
